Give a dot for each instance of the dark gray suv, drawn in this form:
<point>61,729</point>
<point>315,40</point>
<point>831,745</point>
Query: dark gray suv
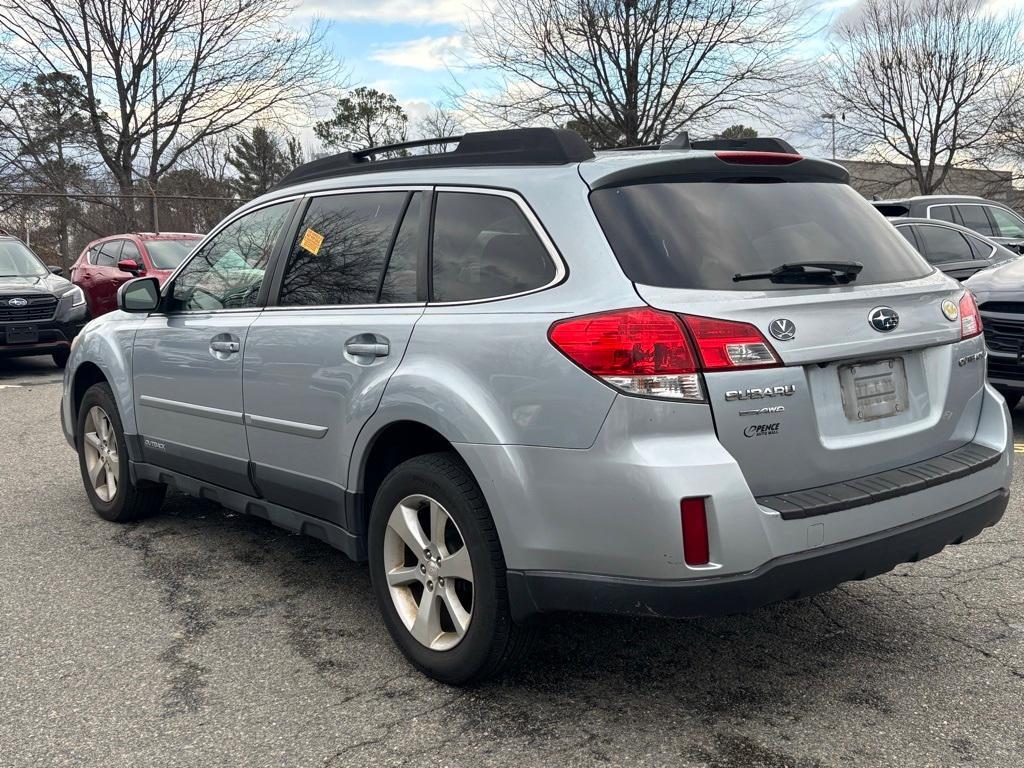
<point>996,221</point>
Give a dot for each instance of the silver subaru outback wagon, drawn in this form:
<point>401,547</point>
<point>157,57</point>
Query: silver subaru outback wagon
<point>519,378</point>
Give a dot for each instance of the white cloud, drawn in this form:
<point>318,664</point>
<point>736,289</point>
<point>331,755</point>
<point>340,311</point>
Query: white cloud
<point>426,53</point>
<point>403,11</point>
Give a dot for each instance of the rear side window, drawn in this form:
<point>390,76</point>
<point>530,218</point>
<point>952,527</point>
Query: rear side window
<point>702,234</point>
<point>980,248</point>
<point>942,245</point>
<point>974,217</point>
<point>908,234</point>
<point>109,254</point>
<point>340,248</point>
<point>942,213</point>
<point>484,247</point>
<point>1009,224</point>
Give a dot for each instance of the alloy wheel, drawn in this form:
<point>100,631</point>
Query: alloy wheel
<point>429,572</point>
<point>101,459</point>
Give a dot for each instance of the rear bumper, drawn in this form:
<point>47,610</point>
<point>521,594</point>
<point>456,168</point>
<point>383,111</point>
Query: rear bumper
<point>789,577</point>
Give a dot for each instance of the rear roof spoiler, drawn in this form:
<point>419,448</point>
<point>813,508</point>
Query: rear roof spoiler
<point>712,168</point>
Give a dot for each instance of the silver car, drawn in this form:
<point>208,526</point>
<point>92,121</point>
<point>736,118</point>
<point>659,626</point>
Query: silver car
<point>520,378</point>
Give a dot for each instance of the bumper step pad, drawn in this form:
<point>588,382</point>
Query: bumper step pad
<point>882,485</point>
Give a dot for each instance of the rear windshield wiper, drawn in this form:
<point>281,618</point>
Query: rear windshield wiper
<point>829,272</point>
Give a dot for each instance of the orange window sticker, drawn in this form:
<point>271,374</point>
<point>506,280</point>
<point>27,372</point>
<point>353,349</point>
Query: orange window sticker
<point>312,241</point>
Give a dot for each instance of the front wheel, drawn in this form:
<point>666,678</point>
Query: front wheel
<point>438,572</point>
<point>60,357</point>
<point>103,461</point>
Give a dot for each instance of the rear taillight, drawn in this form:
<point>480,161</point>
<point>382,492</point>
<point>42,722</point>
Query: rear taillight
<point>696,549</point>
<point>639,351</point>
<point>646,351</point>
<point>727,344</point>
<point>970,318</point>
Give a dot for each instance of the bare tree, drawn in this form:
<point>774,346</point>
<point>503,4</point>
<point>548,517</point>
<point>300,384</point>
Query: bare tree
<point>636,71</point>
<point>922,84</point>
<point>162,75</point>
<point>438,123</point>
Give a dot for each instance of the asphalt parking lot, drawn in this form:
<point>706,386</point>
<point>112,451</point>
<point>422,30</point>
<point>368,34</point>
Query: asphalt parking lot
<point>205,638</point>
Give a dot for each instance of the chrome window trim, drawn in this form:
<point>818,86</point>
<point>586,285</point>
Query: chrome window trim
<point>318,307</point>
<point>231,219</point>
<point>561,269</point>
<point>1005,209</point>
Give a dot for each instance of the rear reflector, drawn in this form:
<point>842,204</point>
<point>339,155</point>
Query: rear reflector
<point>970,318</point>
<point>724,344</point>
<point>738,157</point>
<point>696,550</point>
<point>639,351</point>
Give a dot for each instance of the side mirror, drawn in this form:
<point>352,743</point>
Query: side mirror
<point>130,265</point>
<point>56,270</point>
<point>139,295</point>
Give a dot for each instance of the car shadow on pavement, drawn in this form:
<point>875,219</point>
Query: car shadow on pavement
<point>779,664</point>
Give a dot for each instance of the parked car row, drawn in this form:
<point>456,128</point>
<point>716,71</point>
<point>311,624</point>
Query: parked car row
<point>522,377</point>
<point>42,312</point>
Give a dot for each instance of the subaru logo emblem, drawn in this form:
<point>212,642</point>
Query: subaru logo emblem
<point>19,302</point>
<point>782,329</point>
<point>883,319</point>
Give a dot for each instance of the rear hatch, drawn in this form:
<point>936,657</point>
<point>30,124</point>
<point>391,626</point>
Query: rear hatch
<point>868,374</point>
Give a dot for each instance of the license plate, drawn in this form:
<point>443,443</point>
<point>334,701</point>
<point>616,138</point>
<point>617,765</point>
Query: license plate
<point>874,390</point>
<point>22,334</point>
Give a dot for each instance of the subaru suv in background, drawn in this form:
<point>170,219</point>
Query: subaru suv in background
<point>996,221</point>
<point>106,264</point>
<point>40,311</point>
<point>519,378</point>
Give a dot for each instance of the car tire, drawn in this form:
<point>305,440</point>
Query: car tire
<point>103,462</point>
<point>490,640</point>
<point>60,357</point>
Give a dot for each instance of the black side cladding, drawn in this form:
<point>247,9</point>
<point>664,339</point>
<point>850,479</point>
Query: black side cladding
<point>520,146</point>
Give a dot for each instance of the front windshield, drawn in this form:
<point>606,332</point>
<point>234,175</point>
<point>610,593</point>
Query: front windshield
<point>16,260</point>
<point>168,254</point>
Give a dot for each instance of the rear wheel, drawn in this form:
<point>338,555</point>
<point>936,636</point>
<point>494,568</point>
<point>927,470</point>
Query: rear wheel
<point>103,461</point>
<point>438,572</point>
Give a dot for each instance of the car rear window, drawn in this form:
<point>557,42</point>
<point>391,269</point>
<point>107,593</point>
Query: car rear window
<point>701,234</point>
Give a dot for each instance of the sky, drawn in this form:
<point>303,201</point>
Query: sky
<point>411,48</point>
<point>415,49</point>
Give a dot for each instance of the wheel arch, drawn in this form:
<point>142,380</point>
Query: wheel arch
<point>385,447</point>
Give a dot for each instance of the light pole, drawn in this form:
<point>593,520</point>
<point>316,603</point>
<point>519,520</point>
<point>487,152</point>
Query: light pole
<point>832,117</point>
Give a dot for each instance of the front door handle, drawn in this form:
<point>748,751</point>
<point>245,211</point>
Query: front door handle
<point>224,345</point>
<point>227,347</point>
<point>367,349</point>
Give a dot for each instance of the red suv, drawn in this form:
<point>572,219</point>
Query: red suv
<point>107,263</point>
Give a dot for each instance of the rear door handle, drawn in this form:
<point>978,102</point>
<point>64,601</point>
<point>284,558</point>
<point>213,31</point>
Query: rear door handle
<point>367,349</point>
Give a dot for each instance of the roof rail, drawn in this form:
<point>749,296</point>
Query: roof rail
<point>519,146</point>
